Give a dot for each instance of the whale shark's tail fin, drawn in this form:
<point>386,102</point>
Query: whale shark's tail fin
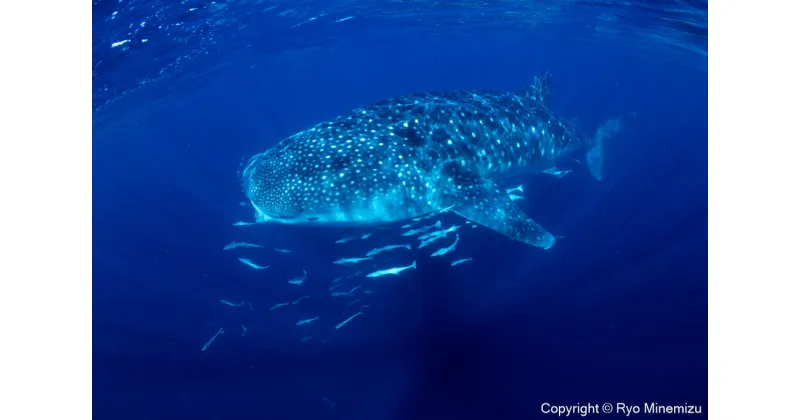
<point>594,151</point>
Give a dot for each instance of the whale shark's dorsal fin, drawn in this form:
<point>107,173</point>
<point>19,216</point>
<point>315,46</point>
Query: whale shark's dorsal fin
<point>540,88</point>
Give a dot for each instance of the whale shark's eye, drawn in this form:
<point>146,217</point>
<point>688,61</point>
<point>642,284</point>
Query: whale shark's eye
<point>312,219</point>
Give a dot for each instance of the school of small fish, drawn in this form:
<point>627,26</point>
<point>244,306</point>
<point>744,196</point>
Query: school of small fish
<point>371,265</point>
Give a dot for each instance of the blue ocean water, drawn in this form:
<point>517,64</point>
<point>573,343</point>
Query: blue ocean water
<point>184,92</point>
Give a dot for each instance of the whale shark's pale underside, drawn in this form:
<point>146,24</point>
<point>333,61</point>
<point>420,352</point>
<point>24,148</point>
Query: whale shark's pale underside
<point>412,155</point>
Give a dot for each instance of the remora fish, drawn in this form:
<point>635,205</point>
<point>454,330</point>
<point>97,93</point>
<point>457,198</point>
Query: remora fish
<point>406,157</point>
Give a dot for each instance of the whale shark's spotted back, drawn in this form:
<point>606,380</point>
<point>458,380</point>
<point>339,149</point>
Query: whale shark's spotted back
<point>412,155</point>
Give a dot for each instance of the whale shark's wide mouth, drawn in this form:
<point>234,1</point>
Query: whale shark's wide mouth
<point>247,173</point>
<point>308,219</point>
<point>263,217</point>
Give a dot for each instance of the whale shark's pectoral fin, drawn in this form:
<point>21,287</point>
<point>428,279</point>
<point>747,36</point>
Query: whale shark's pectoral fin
<point>483,202</point>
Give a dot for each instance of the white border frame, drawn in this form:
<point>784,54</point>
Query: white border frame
<point>45,170</point>
<point>46,211</point>
<point>754,119</point>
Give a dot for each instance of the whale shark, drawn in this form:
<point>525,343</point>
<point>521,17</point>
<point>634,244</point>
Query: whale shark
<point>417,154</point>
